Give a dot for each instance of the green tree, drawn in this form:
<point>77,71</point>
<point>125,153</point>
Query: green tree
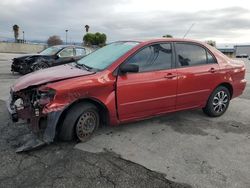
<point>16,31</point>
<point>167,36</point>
<point>211,42</point>
<point>95,39</point>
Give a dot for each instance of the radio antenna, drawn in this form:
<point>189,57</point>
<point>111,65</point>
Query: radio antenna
<point>188,30</point>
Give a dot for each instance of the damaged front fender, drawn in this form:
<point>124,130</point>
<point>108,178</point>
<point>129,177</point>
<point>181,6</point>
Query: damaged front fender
<point>48,136</point>
<point>52,121</point>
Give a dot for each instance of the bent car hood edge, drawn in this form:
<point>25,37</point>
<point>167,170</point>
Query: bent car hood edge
<point>48,75</point>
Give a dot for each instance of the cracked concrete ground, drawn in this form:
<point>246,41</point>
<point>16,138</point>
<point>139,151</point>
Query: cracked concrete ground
<point>60,164</point>
<point>185,147</point>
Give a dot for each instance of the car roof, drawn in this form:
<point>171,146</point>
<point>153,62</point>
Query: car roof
<point>67,45</point>
<point>143,42</point>
<point>152,40</point>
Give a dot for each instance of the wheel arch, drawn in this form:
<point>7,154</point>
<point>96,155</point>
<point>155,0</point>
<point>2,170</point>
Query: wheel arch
<point>103,110</point>
<point>228,86</point>
<point>39,60</point>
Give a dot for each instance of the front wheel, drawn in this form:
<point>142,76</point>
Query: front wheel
<point>218,102</point>
<point>40,65</point>
<point>80,122</point>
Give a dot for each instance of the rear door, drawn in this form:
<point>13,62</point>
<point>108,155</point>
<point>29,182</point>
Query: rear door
<point>198,73</point>
<point>153,89</point>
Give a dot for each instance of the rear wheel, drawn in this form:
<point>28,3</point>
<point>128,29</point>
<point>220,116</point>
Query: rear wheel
<point>218,102</point>
<point>80,122</point>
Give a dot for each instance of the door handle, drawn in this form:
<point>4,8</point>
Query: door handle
<point>212,70</point>
<point>170,76</point>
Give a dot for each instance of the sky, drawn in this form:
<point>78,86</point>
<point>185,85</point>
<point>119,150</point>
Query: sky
<point>225,21</point>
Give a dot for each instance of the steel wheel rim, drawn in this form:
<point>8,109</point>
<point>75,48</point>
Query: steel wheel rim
<point>86,125</point>
<point>220,101</point>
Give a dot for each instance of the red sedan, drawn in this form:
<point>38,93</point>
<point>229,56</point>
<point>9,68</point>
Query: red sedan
<point>126,81</point>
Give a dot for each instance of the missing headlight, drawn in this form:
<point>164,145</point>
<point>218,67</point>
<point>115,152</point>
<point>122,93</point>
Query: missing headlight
<point>45,96</point>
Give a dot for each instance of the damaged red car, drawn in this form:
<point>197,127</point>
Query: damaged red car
<point>123,82</point>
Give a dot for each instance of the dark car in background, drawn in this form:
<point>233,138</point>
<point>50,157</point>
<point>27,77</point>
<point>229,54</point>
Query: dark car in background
<point>52,56</point>
<point>241,56</point>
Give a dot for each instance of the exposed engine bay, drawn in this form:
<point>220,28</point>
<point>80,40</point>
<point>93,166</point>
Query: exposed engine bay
<point>30,104</point>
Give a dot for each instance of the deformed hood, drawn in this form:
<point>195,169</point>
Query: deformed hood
<point>27,55</point>
<point>49,75</point>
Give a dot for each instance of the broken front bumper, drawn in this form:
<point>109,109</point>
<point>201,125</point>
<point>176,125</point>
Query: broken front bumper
<point>43,126</point>
<point>20,66</point>
<point>16,68</point>
<point>12,110</point>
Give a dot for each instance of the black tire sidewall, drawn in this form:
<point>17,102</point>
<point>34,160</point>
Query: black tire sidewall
<point>67,131</point>
<point>209,110</point>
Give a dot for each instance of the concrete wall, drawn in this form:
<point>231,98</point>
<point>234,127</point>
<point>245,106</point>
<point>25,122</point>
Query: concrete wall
<point>20,47</point>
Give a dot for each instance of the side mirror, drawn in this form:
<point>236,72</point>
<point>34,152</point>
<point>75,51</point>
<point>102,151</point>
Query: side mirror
<point>129,68</point>
<point>56,56</point>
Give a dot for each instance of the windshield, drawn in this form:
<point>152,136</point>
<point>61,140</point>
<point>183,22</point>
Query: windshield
<point>50,51</point>
<point>105,56</point>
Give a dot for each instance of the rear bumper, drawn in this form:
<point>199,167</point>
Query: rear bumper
<point>239,87</point>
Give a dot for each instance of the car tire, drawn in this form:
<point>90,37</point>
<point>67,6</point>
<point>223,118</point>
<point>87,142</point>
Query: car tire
<point>80,122</point>
<point>218,102</point>
<point>40,65</point>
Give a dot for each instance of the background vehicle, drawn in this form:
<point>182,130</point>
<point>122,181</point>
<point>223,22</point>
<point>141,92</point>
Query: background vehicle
<point>127,81</point>
<point>241,56</point>
<point>52,56</point>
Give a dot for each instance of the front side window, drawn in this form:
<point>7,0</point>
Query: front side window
<point>154,57</point>
<point>51,50</point>
<point>192,55</point>
<point>80,51</point>
<point>67,52</point>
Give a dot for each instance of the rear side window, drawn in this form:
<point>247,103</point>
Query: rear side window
<point>154,57</point>
<point>192,55</point>
<point>80,51</point>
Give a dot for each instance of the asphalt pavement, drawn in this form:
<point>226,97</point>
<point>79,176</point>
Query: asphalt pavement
<point>60,164</point>
<point>186,147</point>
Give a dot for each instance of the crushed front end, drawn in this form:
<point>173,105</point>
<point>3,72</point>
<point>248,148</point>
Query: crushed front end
<point>20,65</point>
<point>31,104</point>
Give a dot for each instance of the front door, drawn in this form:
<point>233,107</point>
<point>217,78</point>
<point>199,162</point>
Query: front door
<point>65,56</point>
<point>152,90</point>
